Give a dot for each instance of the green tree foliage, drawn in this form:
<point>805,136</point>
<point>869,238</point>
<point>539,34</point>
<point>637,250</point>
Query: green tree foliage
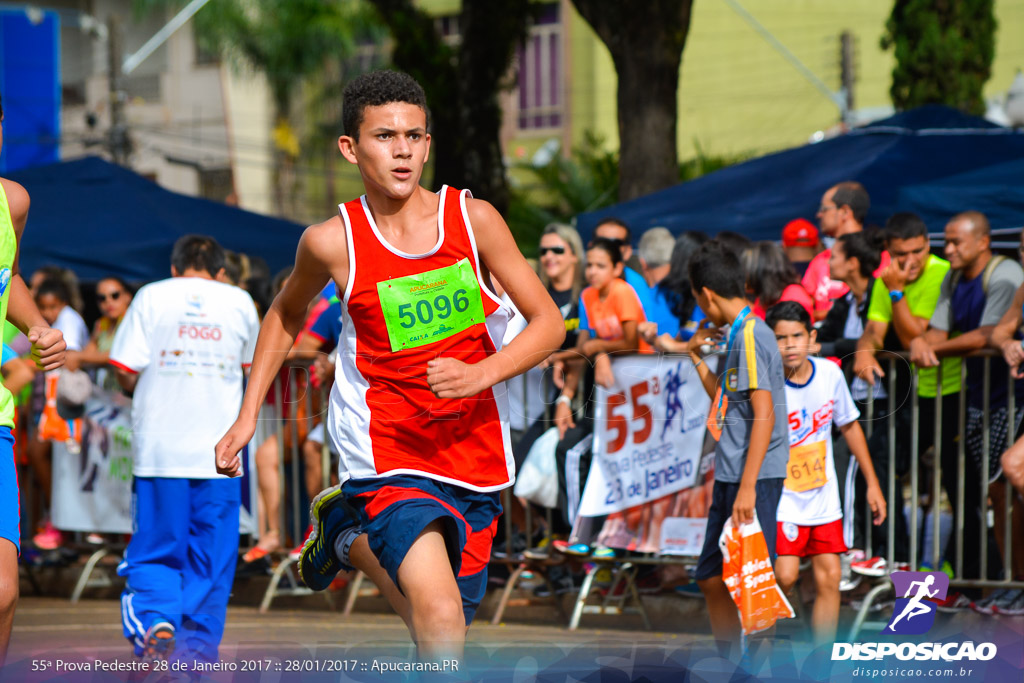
<point>556,191</point>
<point>462,82</point>
<point>289,42</point>
<point>944,51</point>
<point>646,41</point>
<point>588,179</point>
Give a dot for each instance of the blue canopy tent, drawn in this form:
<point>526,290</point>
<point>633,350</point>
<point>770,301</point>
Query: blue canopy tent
<point>99,219</point>
<point>758,197</point>
<point>997,191</point>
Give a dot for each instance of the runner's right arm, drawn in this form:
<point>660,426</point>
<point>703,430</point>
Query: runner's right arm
<point>321,253</point>
<point>48,346</point>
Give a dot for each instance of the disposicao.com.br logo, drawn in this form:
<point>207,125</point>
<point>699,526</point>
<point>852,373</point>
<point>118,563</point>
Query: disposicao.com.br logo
<point>914,614</point>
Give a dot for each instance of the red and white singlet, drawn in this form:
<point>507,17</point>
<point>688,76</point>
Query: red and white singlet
<point>398,312</point>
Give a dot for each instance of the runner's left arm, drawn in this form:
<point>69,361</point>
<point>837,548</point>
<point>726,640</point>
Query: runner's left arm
<point>545,329</point>
<point>313,260</point>
<point>48,347</point>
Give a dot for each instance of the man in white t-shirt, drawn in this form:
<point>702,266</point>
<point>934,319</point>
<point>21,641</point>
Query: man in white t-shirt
<point>182,348</point>
<point>810,516</point>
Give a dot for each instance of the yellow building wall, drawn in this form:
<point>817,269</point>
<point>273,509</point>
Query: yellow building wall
<point>1009,46</point>
<point>737,93</point>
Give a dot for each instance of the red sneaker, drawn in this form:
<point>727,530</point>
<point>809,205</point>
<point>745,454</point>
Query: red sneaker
<point>50,538</point>
<point>877,567</point>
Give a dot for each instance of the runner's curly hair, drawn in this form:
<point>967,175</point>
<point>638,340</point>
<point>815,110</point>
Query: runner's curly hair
<point>375,89</point>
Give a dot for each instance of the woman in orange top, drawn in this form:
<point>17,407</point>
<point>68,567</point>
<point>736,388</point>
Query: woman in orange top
<point>613,312</point>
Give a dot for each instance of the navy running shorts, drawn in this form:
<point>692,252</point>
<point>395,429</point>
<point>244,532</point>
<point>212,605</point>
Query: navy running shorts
<point>768,492</point>
<point>395,510</point>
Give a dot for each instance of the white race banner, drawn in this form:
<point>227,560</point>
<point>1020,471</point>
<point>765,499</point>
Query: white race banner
<point>92,485</point>
<point>683,536</point>
<point>648,433</point>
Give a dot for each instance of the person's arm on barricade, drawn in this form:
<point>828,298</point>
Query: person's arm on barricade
<point>564,420</point>
<point>854,435</point>
<point>666,343</point>
<point>630,341</point>
<point>1002,336</point>
<point>926,350</point>
<point>865,365</point>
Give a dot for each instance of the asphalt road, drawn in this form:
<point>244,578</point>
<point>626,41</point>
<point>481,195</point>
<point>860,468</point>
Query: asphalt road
<point>303,644</point>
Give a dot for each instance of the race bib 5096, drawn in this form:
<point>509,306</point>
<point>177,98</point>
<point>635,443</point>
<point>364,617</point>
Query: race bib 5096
<point>427,307</point>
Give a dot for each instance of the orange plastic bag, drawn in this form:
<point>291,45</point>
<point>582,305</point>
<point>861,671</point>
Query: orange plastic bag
<point>749,576</point>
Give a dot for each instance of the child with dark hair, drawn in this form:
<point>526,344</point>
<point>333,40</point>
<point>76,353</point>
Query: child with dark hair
<point>53,299</point>
<point>771,278</point>
<point>810,515</point>
<point>749,402</point>
<point>614,312</point>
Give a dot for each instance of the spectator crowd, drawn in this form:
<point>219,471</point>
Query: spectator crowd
<point>854,317</point>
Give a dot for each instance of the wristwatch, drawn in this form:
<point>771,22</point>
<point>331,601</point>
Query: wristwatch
<point>895,296</point>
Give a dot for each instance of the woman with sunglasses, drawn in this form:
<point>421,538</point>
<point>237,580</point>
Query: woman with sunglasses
<point>112,297</point>
<point>562,273</point>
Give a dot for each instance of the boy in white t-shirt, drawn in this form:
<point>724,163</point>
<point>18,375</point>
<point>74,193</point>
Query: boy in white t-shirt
<point>810,516</point>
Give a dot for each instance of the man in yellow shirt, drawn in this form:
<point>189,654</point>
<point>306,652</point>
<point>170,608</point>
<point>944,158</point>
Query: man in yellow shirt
<point>902,302</point>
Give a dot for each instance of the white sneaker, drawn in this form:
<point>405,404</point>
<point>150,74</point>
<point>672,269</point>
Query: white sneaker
<point>987,605</point>
<point>876,606</point>
<point>849,580</point>
<point>1010,604</point>
<point>1012,609</point>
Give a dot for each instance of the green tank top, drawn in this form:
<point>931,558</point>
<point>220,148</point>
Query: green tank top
<point>8,249</point>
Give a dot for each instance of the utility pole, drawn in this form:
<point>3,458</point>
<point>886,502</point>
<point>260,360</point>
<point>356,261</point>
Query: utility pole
<point>118,137</point>
<point>847,71</point>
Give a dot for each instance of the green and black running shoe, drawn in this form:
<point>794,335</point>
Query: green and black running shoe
<point>331,516</point>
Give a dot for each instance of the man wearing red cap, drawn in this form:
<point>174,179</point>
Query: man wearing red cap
<point>801,244</point>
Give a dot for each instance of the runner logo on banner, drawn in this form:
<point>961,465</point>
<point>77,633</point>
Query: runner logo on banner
<point>648,433</point>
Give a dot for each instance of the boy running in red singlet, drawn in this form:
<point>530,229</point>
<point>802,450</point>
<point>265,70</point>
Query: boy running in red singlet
<point>418,410</point>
